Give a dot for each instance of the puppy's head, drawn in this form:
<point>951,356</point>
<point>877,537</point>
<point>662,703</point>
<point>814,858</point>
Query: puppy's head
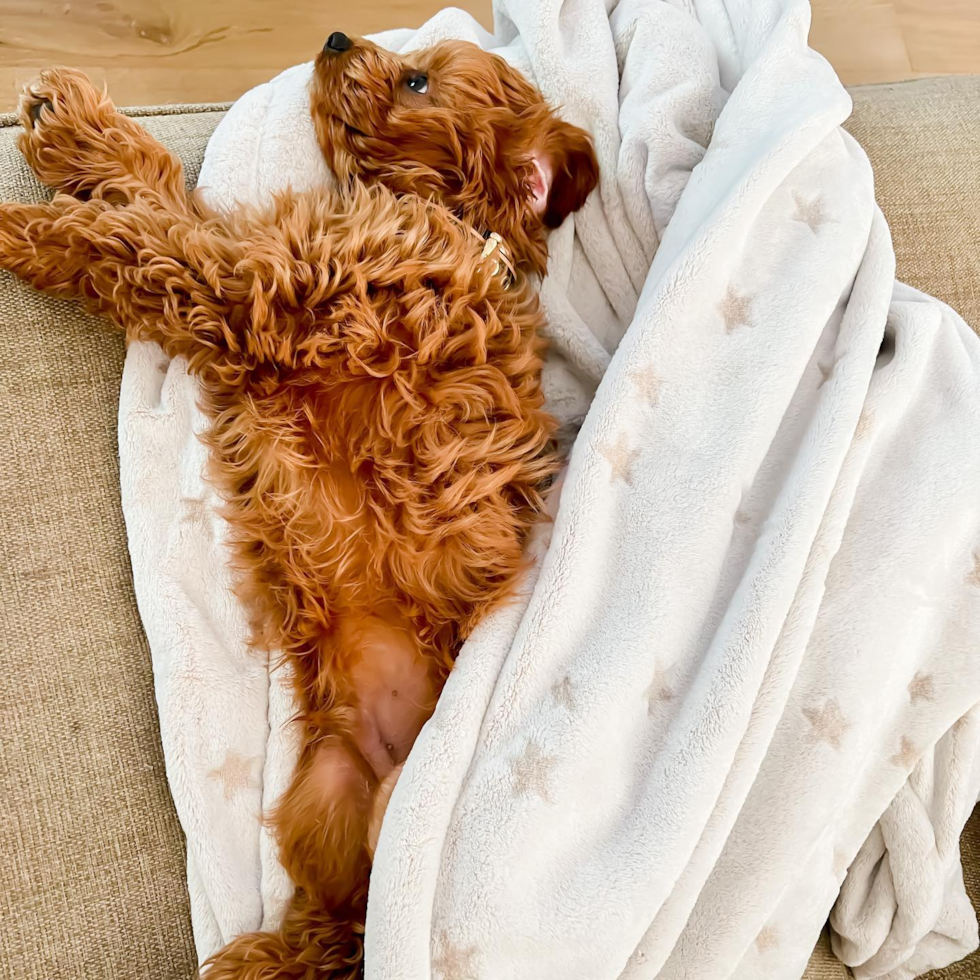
<point>457,124</point>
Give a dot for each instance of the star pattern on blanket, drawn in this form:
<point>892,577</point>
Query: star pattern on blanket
<point>531,771</point>
<point>973,578</point>
<point>564,693</point>
<point>734,309</point>
<point>865,425</point>
<point>767,939</point>
<point>454,962</point>
<point>658,692</point>
<point>921,688</point>
<point>827,724</point>
<point>743,514</point>
<point>742,517</point>
<point>812,213</point>
<point>647,383</point>
<point>621,458</point>
<point>197,511</point>
<point>236,773</point>
<point>906,756</point>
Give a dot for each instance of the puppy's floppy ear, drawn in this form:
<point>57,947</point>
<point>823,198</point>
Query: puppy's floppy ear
<point>565,172</point>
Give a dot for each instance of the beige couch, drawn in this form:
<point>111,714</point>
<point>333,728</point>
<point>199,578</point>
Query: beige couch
<point>91,854</point>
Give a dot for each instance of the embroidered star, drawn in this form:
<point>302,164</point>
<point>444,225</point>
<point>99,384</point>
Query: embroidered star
<point>742,515</point>
<point>826,725</point>
<point>734,309</point>
<point>621,459</point>
<point>563,693</point>
<point>647,383</point>
<point>766,940</point>
<point>974,577</point>
<point>531,771</point>
<point>906,755</point>
<point>865,422</point>
<point>811,213</point>
<point>454,962</point>
<point>235,774</point>
<point>921,688</point>
<point>658,692</point>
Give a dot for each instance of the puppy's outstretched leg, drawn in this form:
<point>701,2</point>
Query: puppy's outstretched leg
<point>77,142</point>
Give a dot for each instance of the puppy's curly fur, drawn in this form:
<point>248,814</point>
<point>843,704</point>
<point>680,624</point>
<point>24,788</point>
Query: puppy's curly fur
<point>377,430</point>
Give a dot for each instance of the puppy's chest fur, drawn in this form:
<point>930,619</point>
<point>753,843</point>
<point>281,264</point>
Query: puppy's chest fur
<point>396,447</point>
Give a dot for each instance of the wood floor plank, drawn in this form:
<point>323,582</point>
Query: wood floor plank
<point>153,51</point>
<point>160,51</point>
<point>862,39</point>
<point>941,37</point>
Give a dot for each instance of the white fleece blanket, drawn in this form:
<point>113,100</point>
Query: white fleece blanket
<point>739,693</point>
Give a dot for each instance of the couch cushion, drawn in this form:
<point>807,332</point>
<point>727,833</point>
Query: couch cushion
<point>923,139</point>
<point>92,860</point>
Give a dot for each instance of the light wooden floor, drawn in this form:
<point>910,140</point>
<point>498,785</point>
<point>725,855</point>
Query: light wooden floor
<point>155,51</point>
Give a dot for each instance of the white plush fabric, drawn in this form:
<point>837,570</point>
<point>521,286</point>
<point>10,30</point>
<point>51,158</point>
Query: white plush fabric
<point>742,678</point>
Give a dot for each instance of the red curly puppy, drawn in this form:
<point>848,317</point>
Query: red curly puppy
<point>373,385</point>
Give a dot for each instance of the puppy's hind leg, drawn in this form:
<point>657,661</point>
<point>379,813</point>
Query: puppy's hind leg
<point>322,825</point>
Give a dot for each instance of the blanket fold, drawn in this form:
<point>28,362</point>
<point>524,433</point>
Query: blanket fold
<point>738,692</point>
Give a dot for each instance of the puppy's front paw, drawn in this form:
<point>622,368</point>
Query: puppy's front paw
<point>65,119</point>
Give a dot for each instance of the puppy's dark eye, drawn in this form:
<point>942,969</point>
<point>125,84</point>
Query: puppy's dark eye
<point>419,84</point>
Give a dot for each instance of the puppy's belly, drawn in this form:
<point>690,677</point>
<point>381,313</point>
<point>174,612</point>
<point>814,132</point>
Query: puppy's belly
<point>394,685</point>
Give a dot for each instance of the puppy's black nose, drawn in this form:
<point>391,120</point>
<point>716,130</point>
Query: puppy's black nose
<point>337,43</point>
